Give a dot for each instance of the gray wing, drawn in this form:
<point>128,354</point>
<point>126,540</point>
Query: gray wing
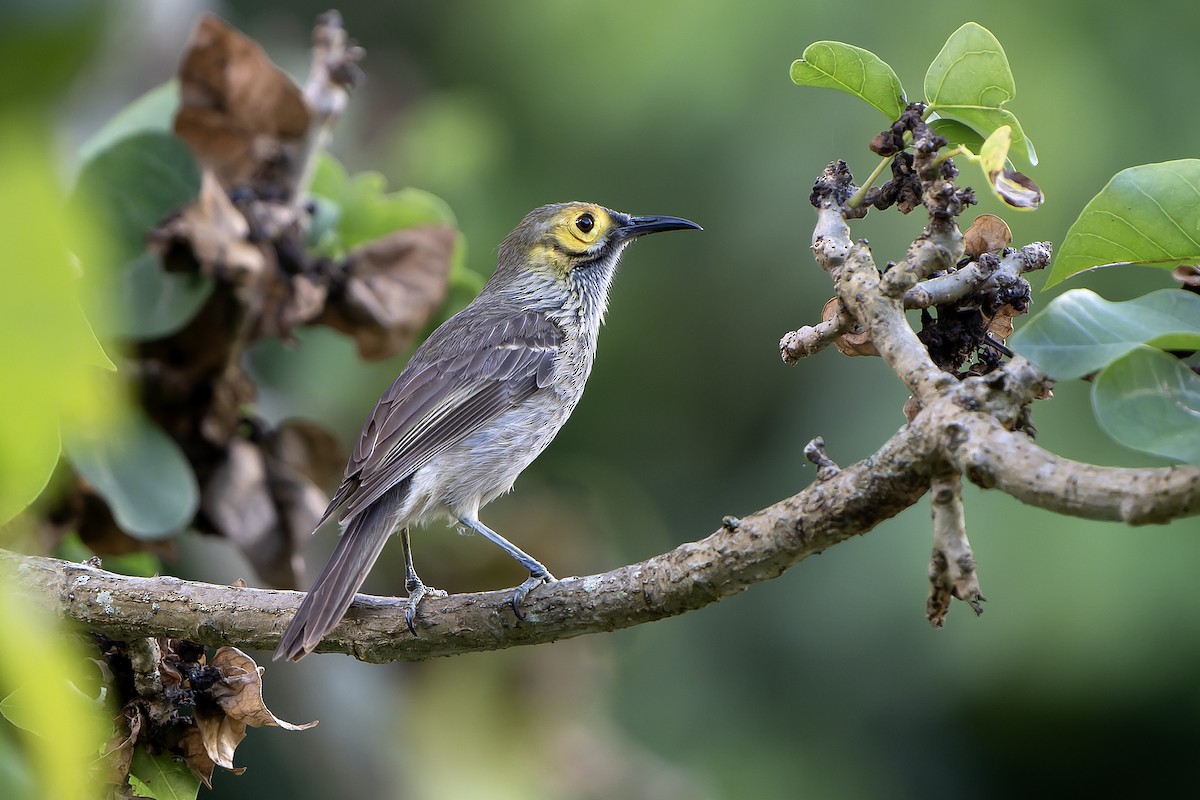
<point>448,390</point>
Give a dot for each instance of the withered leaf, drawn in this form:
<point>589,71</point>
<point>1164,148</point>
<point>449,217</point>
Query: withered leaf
<point>309,449</point>
<point>240,692</point>
<point>1188,275</point>
<point>196,756</point>
<point>263,499</point>
<point>215,234</point>
<point>1016,189</point>
<point>242,116</point>
<point>113,765</point>
<point>392,286</point>
<point>987,234</point>
<point>238,503</point>
<point>1001,325</point>
<point>220,729</point>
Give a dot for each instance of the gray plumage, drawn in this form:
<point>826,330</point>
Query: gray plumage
<point>477,402</point>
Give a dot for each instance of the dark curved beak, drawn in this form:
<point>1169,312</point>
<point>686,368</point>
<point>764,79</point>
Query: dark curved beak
<point>632,227</point>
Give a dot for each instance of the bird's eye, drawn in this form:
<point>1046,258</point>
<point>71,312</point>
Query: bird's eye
<point>585,222</point>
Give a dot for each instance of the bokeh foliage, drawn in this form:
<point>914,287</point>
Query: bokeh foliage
<point>826,682</point>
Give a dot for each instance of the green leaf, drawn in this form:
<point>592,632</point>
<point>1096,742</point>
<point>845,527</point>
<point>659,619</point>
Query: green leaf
<point>1149,400</point>
<point>48,352</point>
<point>140,472</point>
<point>29,448</point>
<point>850,69</point>
<point>153,111</point>
<point>25,707</point>
<point>1148,214</point>
<point>157,302</point>
<point>162,777</point>
<point>137,181</point>
<point>1080,332</point>
<point>970,80</point>
<point>958,133</point>
<point>363,210</point>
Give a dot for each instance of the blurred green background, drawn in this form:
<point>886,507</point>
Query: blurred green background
<point>827,682</point>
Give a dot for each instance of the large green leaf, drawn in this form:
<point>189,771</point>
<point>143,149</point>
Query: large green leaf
<point>970,81</point>
<point>25,707</point>
<point>1080,332</point>
<point>157,302</point>
<point>850,69</point>
<point>49,356</point>
<point>1149,400</point>
<point>138,181</point>
<point>140,472</point>
<point>153,111</point>
<point>1148,214</point>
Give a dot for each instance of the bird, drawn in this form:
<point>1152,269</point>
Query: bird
<point>475,404</point>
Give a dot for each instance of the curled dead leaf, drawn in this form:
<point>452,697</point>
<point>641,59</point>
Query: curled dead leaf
<point>854,343</point>
<point>243,117</point>
<point>987,234</point>
<point>239,693</point>
<point>1001,325</point>
<point>391,288</point>
<point>1016,189</point>
<point>1188,275</point>
<point>209,236</point>
<point>264,503</point>
<point>222,715</point>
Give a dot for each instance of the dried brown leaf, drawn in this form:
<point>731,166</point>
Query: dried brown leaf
<point>195,755</point>
<point>392,287</point>
<point>219,736</point>
<point>1016,189</point>
<point>215,235</point>
<point>987,234</point>
<point>113,764</point>
<point>238,503</point>
<point>309,449</point>
<point>1001,325</point>
<point>240,692</point>
<point>262,498</point>
<point>1188,275</point>
<point>242,116</point>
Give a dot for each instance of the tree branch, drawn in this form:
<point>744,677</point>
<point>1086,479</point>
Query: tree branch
<point>964,426</point>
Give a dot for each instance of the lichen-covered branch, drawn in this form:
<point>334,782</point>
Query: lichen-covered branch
<point>966,426</point>
<point>952,565</point>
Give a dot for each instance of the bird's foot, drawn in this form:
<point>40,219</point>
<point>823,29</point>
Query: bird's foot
<point>534,580</point>
<point>417,591</point>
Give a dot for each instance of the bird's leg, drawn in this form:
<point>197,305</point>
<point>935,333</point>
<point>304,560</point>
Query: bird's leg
<point>538,574</point>
<point>416,588</point>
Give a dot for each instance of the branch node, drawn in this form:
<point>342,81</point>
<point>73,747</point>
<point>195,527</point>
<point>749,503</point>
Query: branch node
<point>814,451</point>
<point>730,523</point>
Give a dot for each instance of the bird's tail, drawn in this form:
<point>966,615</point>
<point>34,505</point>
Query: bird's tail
<point>331,594</point>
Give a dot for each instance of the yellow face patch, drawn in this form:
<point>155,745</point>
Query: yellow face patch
<point>579,227</point>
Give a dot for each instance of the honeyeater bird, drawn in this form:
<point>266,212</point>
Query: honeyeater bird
<point>478,401</point>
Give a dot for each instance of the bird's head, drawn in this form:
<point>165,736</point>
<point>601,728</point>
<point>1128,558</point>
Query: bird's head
<point>574,244</point>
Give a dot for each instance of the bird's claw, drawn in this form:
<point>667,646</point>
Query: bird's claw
<point>525,588</point>
<point>417,591</point>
